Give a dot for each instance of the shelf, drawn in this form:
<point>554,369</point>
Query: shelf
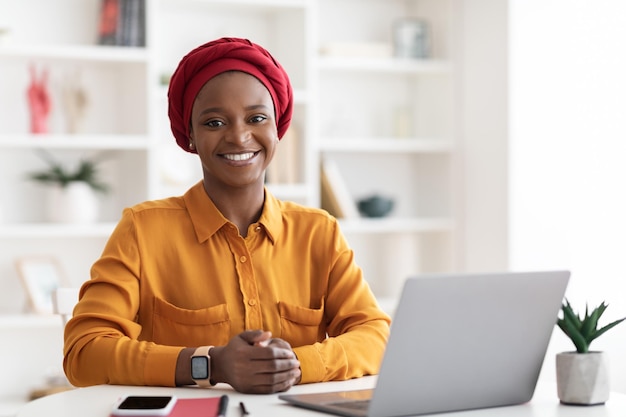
<point>386,65</point>
<point>59,141</point>
<point>390,145</point>
<point>22,321</point>
<point>50,230</point>
<point>74,53</point>
<point>396,225</point>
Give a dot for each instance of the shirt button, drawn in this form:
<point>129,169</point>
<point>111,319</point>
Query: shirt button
<point>243,259</point>
<point>252,302</point>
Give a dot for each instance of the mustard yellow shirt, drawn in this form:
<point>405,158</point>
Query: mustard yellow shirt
<point>176,273</point>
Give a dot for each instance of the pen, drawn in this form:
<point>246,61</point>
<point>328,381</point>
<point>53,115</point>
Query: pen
<point>244,410</point>
<point>221,411</point>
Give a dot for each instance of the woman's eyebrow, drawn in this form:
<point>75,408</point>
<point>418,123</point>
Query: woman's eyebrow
<point>247,108</point>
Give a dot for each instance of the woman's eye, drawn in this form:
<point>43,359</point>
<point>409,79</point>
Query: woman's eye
<point>213,123</point>
<point>257,119</point>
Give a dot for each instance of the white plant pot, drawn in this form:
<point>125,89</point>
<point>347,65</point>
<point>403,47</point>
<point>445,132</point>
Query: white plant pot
<point>75,203</point>
<point>582,378</point>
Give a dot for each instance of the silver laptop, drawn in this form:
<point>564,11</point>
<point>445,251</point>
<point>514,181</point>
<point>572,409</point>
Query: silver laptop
<point>458,342</point>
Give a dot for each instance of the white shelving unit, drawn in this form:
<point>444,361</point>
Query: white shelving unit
<point>390,124</point>
<point>126,124</point>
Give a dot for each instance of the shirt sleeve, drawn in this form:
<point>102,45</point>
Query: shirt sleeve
<point>357,330</point>
<point>101,340</point>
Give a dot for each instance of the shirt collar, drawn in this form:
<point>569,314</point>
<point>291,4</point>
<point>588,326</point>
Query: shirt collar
<point>207,219</point>
<point>272,217</point>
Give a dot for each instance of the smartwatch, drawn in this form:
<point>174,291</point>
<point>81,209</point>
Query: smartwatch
<point>201,366</point>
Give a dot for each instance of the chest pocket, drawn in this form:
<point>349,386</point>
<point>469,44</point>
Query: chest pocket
<point>301,326</point>
<point>175,326</point>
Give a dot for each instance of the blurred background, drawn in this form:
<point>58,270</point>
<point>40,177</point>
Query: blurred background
<point>493,130</point>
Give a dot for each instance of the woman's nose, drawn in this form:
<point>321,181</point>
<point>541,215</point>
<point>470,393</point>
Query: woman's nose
<point>239,133</point>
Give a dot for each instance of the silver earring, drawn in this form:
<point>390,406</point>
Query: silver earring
<point>190,145</point>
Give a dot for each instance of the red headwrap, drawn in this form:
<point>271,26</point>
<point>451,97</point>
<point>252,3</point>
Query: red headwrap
<point>216,57</point>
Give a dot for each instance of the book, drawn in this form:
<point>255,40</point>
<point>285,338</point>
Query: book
<point>109,15</point>
<point>336,198</point>
<point>284,167</point>
<point>192,407</point>
<point>122,23</point>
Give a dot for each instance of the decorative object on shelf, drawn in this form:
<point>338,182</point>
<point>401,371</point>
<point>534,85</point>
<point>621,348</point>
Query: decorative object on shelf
<point>5,35</point>
<point>411,38</point>
<point>40,276</point>
<point>122,23</point>
<point>71,196</point>
<point>284,166</point>
<point>375,206</point>
<point>165,78</point>
<point>336,198</point>
<point>582,376</point>
<point>75,103</point>
<point>39,102</point>
<point>402,122</point>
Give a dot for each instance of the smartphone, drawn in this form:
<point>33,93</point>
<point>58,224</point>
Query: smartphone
<point>145,405</point>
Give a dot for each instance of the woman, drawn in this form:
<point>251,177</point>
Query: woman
<point>226,283</point>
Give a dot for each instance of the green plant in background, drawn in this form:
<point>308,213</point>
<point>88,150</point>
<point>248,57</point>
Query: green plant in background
<point>583,330</point>
<point>57,174</point>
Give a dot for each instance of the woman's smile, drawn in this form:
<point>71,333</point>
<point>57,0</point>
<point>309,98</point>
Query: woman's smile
<point>240,156</point>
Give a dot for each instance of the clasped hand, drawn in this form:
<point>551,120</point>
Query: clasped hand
<point>255,363</point>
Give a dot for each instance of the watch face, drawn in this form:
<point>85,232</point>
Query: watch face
<point>200,367</point>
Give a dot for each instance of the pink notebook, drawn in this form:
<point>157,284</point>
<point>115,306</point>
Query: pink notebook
<point>196,407</point>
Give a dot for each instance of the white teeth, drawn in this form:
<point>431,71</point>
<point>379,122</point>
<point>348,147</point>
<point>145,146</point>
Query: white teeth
<point>239,156</point>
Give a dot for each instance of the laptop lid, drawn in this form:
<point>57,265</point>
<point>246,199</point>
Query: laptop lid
<point>462,342</point>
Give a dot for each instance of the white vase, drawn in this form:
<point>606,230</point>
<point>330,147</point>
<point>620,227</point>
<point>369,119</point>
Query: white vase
<point>75,203</point>
<point>582,378</point>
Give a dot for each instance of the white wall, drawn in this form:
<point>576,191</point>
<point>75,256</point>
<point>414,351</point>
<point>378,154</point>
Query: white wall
<point>484,109</point>
<point>568,155</point>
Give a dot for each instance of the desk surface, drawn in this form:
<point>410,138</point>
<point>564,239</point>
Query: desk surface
<point>97,402</point>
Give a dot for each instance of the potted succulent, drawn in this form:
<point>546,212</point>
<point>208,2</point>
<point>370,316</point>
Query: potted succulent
<point>582,376</point>
<point>71,196</point>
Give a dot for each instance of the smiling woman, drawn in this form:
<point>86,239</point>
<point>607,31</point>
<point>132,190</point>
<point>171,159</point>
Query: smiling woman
<point>226,283</point>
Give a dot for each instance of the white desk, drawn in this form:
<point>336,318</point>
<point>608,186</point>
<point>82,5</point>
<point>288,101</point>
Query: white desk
<point>97,402</point>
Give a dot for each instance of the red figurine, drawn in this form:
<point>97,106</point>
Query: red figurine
<point>38,101</point>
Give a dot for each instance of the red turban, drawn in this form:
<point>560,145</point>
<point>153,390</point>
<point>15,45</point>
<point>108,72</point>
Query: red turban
<point>216,57</point>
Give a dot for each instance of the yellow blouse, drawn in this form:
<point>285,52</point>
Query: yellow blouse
<point>176,273</point>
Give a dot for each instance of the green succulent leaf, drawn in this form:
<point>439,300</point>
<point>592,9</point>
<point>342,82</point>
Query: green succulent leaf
<point>582,330</point>
<point>605,328</point>
<point>57,174</point>
<point>573,332</point>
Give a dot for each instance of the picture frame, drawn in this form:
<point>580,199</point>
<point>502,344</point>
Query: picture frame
<point>40,276</point>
